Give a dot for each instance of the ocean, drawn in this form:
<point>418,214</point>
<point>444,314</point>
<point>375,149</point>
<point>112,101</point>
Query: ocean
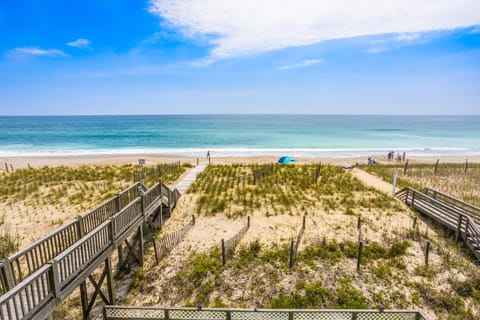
<point>239,135</point>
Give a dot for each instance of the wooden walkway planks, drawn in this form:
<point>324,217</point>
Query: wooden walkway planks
<point>446,212</point>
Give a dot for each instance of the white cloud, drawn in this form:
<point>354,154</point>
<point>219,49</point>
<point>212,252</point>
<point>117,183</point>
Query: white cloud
<point>408,37</point>
<point>475,30</point>
<point>79,43</point>
<point>41,52</point>
<point>381,49</point>
<point>238,27</point>
<point>302,64</point>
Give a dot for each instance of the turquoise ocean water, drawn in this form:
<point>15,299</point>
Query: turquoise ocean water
<point>239,135</point>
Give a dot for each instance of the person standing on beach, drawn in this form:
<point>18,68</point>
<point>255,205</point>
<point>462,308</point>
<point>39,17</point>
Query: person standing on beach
<point>208,153</point>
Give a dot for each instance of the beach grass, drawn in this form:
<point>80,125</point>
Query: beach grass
<point>232,189</point>
<point>450,178</point>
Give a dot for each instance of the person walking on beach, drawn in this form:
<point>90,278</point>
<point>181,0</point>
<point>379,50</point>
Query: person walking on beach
<point>208,154</point>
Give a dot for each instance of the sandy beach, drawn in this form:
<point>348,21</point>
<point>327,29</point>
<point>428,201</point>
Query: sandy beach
<point>24,162</point>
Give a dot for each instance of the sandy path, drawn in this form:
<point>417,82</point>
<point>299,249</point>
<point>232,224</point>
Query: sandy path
<point>372,181</point>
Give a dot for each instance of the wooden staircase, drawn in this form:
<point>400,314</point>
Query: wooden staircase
<point>454,214</point>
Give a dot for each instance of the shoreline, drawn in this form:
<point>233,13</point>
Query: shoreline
<point>39,161</point>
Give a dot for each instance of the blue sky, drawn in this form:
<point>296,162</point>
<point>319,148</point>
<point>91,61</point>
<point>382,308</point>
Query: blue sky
<point>229,56</point>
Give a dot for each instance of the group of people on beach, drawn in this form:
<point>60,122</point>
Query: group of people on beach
<point>391,156</point>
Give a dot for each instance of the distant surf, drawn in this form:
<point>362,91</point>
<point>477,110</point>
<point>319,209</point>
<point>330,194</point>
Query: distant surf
<point>238,135</point>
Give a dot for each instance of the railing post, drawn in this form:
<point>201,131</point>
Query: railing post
<point>140,244</point>
<point>354,315</point>
<point>466,228</point>
<point>80,227</point>
<point>413,199</point>
<point>459,227</point>
<point>54,279</point>
<point>8,274</point>
<point>112,231</point>
<point>117,202</point>
<point>142,204</point>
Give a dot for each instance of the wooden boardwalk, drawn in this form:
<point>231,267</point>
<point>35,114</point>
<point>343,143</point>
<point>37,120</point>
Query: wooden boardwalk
<point>183,185</point>
<point>34,280</point>
<point>460,217</point>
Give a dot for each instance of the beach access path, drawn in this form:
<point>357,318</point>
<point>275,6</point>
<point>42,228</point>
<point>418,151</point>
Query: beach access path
<point>372,181</point>
<point>188,179</point>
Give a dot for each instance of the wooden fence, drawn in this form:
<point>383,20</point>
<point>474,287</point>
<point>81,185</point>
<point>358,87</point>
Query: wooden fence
<point>228,247</point>
<point>169,241</point>
<point>35,279</point>
<point>262,172</point>
<point>156,172</point>
<point>160,313</point>
<point>447,214</point>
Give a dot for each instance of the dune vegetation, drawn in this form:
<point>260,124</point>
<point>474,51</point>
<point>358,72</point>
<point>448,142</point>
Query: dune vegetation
<point>450,178</point>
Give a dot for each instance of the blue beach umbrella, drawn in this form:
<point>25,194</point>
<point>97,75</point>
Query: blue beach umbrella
<point>286,160</point>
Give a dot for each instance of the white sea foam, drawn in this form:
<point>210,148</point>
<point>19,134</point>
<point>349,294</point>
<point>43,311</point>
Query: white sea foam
<point>244,152</point>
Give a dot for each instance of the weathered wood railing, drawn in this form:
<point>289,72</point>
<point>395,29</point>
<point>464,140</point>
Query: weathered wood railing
<point>28,260</point>
<point>72,255</point>
<point>472,211</point>
<point>160,313</point>
<point>448,215</point>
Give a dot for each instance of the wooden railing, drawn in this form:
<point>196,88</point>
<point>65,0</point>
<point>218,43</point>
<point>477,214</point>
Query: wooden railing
<point>453,217</point>
<point>27,261</point>
<point>159,313</point>
<point>38,277</point>
<point>472,211</point>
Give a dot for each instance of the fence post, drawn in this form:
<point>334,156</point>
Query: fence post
<point>54,279</point>
<point>359,256</point>
<point>223,253</point>
<point>436,167</point>
<point>414,222</point>
<point>359,223</point>
<point>427,252</point>
<point>292,254</point>
<point>304,221</point>
<point>405,168</point>
<point>394,185</point>
<point>248,221</point>
<point>193,219</point>
<point>466,166</point>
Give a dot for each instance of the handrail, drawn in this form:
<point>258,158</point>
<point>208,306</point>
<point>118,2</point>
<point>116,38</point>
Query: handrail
<point>26,261</point>
<point>451,216</point>
<point>471,210</point>
<point>27,298</point>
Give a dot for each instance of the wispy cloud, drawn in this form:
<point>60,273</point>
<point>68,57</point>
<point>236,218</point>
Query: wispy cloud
<point>79,43</point>
<point>474,30</point>
<point>408,37</point>
<point>236,28</point>
<point>41,52</point>
<point>379,49</point>
<point>302,64</point>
